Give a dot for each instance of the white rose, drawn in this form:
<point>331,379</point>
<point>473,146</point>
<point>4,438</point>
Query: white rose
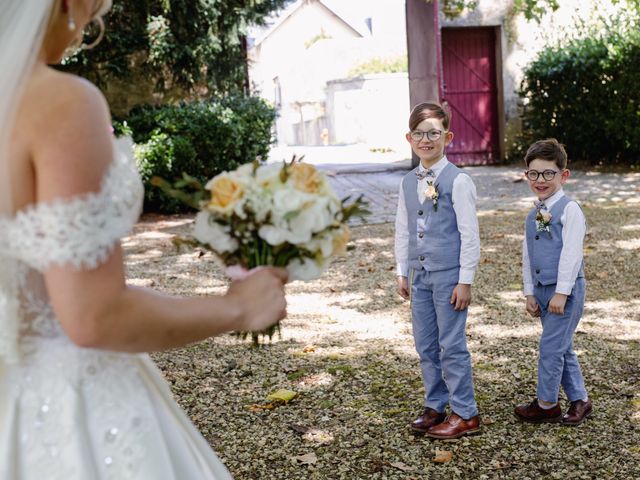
<point>213,234</point>
<point>287,200</point>
<point>322,243</point>
<point>306,269</point>
<point>268,175</point>
<point>274,235</point>
<point>314,217</point>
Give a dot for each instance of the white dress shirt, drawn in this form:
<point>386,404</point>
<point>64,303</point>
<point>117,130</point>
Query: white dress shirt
<point>464,204</point>
<point>574,227</point>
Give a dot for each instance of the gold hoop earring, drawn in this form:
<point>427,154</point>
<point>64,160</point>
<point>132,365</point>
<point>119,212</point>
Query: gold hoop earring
<point>98,39</point>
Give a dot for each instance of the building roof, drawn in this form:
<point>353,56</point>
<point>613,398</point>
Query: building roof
<point>274,23</point>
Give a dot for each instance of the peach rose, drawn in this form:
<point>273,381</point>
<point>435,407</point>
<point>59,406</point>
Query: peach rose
<point>306,178</point>
<point>431,192</point>
<point>226,191</point>
<point>340,240</point>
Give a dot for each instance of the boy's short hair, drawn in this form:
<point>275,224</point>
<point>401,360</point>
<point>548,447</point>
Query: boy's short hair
<point>548,149</point>
<point>426,110</point>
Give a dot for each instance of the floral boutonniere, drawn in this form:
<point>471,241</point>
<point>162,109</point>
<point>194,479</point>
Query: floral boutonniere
<point>543,221</point>
<point>431,192</point>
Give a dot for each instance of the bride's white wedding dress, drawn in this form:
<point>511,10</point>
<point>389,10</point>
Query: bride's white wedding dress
<point>73,413</point>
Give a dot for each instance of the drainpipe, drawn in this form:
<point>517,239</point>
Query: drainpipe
<point>436,27</point>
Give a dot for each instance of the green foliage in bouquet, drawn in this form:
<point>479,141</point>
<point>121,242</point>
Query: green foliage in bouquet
<point>203,138</point>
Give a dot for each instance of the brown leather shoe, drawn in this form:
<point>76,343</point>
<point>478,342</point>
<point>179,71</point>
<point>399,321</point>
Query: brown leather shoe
<point>428,419</point>
<point>534,413</point>
<point>578,412</point>
<point>454,426</point>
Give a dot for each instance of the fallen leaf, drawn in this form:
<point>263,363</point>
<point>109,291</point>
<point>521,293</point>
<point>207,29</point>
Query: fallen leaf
<point>258,408</point>
<point>443,456</point>
<point>282,395</point>
<point>488,421</point>
<point>402,466</point>
<point>300,428</point>
<point>309,348</point>
<point>306,459</point>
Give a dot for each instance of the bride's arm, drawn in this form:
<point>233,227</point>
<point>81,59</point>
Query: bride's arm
<point>71,151</point>
<point>97,310</point>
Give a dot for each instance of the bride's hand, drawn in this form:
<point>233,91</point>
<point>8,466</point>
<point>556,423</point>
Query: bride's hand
<point>259,298</point>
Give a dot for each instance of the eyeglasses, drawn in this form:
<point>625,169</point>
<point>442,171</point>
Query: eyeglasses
<point>548,175</point>
<point>432,135</point>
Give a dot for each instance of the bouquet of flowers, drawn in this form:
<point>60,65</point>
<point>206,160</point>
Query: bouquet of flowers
<point>284,215</point>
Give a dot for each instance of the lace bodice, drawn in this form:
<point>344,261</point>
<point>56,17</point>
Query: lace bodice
<point>79,232</point>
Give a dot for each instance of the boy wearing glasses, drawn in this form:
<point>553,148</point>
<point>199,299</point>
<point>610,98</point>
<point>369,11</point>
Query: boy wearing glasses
<point>554,285</point>
<point>437,247</point>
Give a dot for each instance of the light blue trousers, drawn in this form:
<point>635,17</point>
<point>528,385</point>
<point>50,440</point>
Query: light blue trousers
<point>558,364</point>
<point>439,334</point>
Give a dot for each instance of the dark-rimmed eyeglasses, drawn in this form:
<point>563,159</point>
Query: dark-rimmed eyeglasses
<point>548,175</point>
<point>432,135</point>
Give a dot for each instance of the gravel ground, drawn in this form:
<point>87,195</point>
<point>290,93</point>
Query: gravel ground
<point>346,349</point>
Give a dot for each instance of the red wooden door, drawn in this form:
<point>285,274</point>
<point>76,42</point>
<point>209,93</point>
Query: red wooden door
<point>469,87</point>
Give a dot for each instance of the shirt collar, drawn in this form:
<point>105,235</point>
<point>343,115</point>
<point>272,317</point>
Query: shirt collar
<point>549,202</point>
<point>437,167</point>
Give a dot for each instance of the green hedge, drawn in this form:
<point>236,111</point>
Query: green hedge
<point>201,139</point>
<point>587,95</point>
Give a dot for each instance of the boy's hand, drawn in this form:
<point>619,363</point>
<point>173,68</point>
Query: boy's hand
<point>557,303</point>
<point>533,308</point>
<point>403,287</point>
<point>461,296</point>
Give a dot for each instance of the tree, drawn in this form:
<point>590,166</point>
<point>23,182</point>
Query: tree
<point>531,9</point>
<point>176,48</point>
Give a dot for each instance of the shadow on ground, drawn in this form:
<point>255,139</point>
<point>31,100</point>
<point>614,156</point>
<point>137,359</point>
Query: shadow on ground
<point>347,350</point>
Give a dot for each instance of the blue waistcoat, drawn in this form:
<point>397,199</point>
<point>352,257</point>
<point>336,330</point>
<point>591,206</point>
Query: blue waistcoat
<point>436,246</point>
<point>544,248</point>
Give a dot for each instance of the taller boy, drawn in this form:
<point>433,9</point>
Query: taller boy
<point>437,252</point>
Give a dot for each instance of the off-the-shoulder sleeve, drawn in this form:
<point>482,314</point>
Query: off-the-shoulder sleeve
<point>79,231</point>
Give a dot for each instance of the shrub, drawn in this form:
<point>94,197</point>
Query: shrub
<point>201,139</point>
<point>586,95</point>
<point>380,65</point>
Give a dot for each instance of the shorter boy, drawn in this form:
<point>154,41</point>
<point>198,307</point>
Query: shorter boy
<point>554,285</point>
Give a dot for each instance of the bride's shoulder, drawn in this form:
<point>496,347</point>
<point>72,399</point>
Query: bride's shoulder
<point>70,132</point>
<point>66,96</point>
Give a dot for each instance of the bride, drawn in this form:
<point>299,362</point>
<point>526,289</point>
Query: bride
<point>78,398</point>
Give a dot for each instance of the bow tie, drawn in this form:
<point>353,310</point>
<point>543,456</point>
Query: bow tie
<point>427,173</point>
<point>540,205</point>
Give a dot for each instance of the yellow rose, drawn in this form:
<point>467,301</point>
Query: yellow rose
<point>340,240</point>
<point>306,178</point>
<point>431,192</point>
<point>225,193</point>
